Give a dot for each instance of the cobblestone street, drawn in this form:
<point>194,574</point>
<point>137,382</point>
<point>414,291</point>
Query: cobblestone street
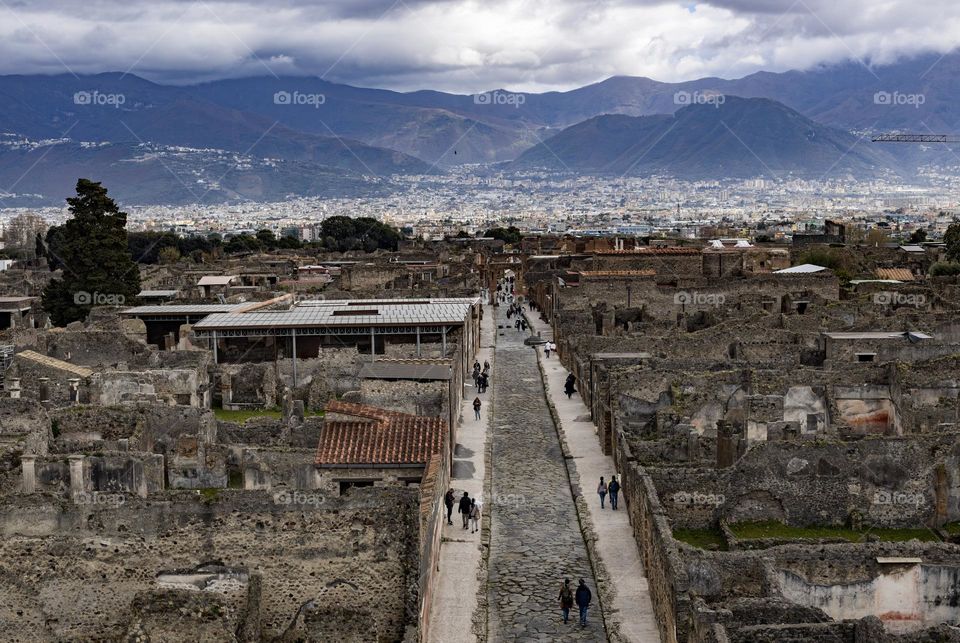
<point>535,537</point>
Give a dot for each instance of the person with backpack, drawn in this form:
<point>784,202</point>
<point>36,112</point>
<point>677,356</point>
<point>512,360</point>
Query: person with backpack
<point>474,516</point>
<point>614,489</point>
<point>448,501</point>
<point>602,491</point>
<point>476,408</point>
<point>464,509</point>
<point>583,597</point>
<point>566,599</point>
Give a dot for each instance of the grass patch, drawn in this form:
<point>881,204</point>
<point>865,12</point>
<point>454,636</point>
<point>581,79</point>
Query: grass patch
<point>952,528</point>
<point>897,535</point>
<point>702,538</point>
<point>247,414</point>
<point>772,529</point>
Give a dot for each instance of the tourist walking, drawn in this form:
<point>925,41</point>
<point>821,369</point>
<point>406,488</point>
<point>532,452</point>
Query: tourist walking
<point>474,516</point>
<point>546,350</point>
<point>484,382</point>
<point>476,408</point>
<point>583,601</point>
<point>614,489</point>
<point>448,500</point>
<point>566,599</point>
<point>570,386</point>
<point>464,509</point>
<point>602,491</point>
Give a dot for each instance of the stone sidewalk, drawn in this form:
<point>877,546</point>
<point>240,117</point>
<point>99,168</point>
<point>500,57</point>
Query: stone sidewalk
<point>535,537</point>
<point>455,596</point>
<point>632,609</point>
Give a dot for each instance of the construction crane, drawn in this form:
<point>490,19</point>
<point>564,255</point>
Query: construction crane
<point>915,138</point>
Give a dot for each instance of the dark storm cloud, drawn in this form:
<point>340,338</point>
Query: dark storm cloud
<point>463,45</point>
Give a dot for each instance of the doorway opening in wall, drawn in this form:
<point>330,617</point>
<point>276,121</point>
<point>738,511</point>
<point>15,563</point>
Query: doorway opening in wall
<point>346,485</point>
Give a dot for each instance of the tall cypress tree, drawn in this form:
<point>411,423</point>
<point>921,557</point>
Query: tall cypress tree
<point>91,248</point>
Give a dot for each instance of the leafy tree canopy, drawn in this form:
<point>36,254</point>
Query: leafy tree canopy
<point>91,248</point>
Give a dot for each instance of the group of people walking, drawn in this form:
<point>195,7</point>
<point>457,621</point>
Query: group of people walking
<point>467,507</point>
<point>613,488</point>
<point>581,597</point>
<point>481,380</point>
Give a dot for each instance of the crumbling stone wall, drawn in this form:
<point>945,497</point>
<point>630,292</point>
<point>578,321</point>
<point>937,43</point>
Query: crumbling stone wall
<point>334,569</point>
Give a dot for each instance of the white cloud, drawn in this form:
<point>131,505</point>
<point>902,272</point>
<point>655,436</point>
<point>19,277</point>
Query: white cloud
<point>465,45</point>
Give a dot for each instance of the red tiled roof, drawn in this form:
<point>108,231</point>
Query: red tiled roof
<point>378,437</point>
<point>898,274</point>
<point>618,273</point>
<point>674,250</point>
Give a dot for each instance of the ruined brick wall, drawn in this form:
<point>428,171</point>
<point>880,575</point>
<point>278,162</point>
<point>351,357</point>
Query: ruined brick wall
<point>889,483</point>
<point>664,569</point>
<point>416,398</point>
<point>333,569</point>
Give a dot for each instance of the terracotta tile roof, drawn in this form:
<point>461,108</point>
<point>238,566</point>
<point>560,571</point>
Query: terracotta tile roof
<point>379,436</point>
<point>618,273</point>
<point>675,250</point>
<point>899,274</point>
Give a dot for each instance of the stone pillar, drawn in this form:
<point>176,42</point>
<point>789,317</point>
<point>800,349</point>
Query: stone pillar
<point>78,485</point>
<point>74,390</point>
<point>28,466</point>
<point>44,389</point>
<point>15,388</point>
<point>226,390</point>
<point>725,447</point>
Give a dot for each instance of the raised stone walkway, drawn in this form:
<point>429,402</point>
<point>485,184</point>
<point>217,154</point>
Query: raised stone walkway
<point>535,538</point>
<point>631,613</point>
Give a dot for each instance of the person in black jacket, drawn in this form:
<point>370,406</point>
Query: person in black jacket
<point>464,509</point>
<point>570,386</point>
<point>614,489</point>
<point>448,500</point>
<point>582,598</point>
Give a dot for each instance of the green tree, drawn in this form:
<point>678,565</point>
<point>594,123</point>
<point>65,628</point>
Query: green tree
<point>952,239</point>
<point>509,235</point>
<point>918,236</point>
<point>91,247</point>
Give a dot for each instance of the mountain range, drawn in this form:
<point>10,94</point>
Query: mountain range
<point>355,138</point>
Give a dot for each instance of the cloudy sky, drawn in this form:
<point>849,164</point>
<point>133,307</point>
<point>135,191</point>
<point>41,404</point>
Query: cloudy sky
<point>464,45</point>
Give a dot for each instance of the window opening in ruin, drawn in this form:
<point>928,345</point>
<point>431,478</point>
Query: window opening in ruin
<point>346,485</point>
<point>866,357</point>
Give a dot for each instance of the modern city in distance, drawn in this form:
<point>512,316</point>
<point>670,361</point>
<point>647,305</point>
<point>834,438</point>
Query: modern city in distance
<point>446,321</point>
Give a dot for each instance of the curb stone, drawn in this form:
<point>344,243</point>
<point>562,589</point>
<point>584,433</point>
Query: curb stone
<point>605,588</point>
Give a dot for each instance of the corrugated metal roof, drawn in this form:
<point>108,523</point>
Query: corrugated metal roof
<point>802,268</point>
<point>347,313</point>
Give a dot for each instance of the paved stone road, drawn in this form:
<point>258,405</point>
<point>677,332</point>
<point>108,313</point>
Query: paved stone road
<point>535,538</point>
